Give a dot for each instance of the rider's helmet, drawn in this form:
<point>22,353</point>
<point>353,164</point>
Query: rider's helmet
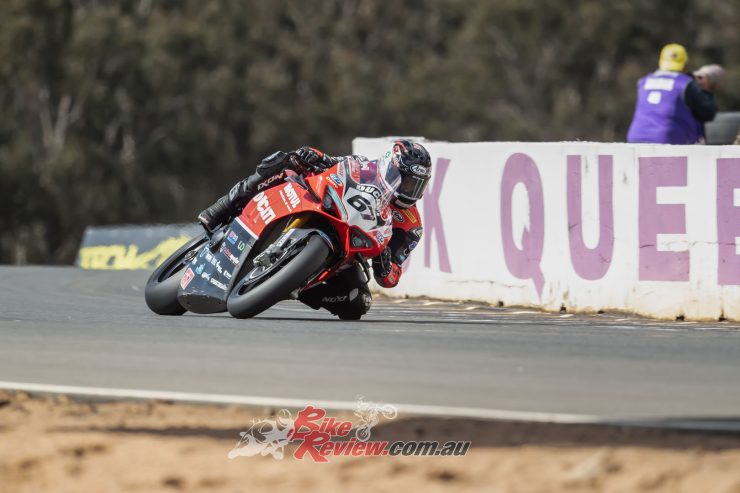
<point>412,165</point>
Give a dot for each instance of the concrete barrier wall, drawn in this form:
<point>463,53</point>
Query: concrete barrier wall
<point>642,228</point>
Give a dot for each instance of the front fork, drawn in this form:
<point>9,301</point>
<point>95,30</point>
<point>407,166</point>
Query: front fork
<point>294,233</point>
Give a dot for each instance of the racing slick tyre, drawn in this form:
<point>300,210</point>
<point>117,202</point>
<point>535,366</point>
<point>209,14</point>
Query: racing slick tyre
<point>349,316</point>
<point>249,298</point>
<point>161,288</point>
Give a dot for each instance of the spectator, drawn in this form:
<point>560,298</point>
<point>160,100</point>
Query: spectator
<point>710,78</point>
<point>671,106</point>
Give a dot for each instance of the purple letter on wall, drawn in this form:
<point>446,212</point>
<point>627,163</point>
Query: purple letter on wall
<point>433,219</point>
<point>667,219</point>
<point>524,263</point>
<point>728,220</point>
<point>589,263</point>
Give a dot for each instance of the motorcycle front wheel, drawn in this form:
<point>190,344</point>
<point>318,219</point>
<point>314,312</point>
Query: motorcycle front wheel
<point>250,298</point>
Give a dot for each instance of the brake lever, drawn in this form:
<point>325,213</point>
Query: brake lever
<point>299,163</point>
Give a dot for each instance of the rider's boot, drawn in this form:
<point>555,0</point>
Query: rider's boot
<point>346,295</point>
<point>270,170</point>
<point>217,214</point>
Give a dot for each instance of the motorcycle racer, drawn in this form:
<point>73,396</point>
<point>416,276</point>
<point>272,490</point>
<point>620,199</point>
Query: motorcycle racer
<point>345,295</point>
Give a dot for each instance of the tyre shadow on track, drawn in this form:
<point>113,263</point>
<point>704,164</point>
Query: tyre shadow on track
<point>350,323</point>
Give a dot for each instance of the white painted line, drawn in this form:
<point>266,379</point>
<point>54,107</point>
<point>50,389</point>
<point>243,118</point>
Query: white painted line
<point>411,409</point>
<point>226,399</point>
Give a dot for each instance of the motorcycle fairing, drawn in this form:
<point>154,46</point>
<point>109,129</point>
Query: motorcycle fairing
<point>209,277</point>
<point>291,198</point>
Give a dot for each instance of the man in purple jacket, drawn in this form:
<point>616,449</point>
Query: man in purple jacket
<point>671,106</point>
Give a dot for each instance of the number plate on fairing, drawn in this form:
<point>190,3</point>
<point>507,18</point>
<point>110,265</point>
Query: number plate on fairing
<point>366,202</point>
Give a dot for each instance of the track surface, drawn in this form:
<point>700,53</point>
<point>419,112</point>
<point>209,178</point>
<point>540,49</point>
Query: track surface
<point>91,328</point>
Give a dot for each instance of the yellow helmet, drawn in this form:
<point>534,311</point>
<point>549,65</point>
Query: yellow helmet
<point>673,57</point>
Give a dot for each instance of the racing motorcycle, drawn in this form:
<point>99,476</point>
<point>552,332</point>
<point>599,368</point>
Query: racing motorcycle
<point>288,239</point>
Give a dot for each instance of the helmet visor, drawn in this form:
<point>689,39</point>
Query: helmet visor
<point>412,187</point>
<point>390,174</point>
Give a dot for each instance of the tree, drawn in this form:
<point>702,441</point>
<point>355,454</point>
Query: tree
<point>146,110</point>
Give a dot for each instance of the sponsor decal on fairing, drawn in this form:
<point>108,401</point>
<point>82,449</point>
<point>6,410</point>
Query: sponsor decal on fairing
<point>292,196</point>
<point>229,255</point>
<point>264,208</point>
<point>341,172</point>
<point>218,284</point>
<point>186,278</point>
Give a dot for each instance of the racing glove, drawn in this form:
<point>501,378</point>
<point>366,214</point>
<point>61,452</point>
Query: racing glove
<point>386,272</point>
<point>314,158</point>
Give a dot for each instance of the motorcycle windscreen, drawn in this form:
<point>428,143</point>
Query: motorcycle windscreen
<point>208,279</point>
<point>368,192</point>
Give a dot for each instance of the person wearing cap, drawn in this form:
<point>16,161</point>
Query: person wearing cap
<point>671,105</point>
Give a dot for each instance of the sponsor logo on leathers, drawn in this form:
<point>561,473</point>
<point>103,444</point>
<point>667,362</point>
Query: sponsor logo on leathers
<point>333,299</point>
<point>270,180</point>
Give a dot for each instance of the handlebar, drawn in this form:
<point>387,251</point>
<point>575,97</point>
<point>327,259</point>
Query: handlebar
<point>299,163</point>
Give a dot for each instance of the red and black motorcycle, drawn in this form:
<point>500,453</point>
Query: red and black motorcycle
<point>289,238</point>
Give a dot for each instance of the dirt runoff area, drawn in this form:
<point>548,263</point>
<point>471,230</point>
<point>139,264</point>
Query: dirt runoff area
<point>59,445</point>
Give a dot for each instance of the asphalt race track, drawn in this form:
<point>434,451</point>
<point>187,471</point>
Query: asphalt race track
<point>64,326</point>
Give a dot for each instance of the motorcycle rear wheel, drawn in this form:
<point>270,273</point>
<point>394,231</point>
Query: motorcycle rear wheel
<point>161,289</point>
<point>291,276</point>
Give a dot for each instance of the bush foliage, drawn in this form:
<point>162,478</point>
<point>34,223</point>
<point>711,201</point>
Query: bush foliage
<point>145,111</point>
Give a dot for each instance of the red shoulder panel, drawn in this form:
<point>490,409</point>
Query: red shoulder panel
<point>406,219</point>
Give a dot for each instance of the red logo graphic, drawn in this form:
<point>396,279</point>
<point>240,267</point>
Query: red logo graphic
<point>186,278</point>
